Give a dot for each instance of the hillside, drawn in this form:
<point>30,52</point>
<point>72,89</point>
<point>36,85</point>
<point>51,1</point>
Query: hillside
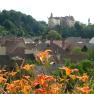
<point>19,24</point>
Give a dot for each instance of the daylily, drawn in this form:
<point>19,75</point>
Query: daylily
<point>85,89</point>
<point>2,80</point>
<point>43,55</point>
<point>67,70</point>
<point>12,73</point>
<point>42,80</point>
<point>26,89</point>
<point>83,78</point>
<point>28,67</point>
<point>41,91</point>
<point>11,88</point>
<point>55,88</point>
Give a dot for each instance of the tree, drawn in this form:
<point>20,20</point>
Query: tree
<point>19,24</point>
<point>53,35</point>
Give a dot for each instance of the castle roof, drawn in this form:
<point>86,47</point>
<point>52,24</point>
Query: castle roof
<point>64,18</point>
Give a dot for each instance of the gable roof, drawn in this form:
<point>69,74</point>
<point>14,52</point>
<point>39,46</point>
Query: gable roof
<point>91,41</point>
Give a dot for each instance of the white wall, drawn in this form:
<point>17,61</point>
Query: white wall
<point>2,50</point>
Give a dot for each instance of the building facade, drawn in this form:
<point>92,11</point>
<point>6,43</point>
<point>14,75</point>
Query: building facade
<point>60,21</point>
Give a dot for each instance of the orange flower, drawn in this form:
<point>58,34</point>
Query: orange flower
<point>13,73</point>
<point>23,82</point>
<point>42,80</point>
<point>17,83</point>
<point>55,88</point>
<point>49,78</point>
<point>41,91</point>
<point>26,89</point>
<point>73,76</point>
<point>28,67</point>
<point>68,70</point>
<point>11,88</point>
<point>44,55</point>
<point>85,89</point>
<point>2,80</point>
<point>83,78</point>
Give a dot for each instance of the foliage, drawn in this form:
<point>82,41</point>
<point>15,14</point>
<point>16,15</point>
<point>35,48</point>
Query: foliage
<point>29,61</point>
<point>91,53</point>
<point>18,24</point>
<point>76,50</point>
<point>84,49</point>
<point>64,80</point>
<point>53,35</point>
<point>78,30</point>
<point>57,73</point>
<point>13,23</point>
<point>86,66</point>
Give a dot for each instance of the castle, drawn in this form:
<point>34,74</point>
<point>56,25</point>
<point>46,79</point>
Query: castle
<point>60,21</point>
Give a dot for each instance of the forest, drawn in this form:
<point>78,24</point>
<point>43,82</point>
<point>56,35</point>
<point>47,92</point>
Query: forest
<point>14,23</point>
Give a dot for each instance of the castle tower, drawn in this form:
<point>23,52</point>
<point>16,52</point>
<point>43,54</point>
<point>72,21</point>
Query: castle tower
<point>89,23</point>
<point>51,15</point>
<point>53,21</point>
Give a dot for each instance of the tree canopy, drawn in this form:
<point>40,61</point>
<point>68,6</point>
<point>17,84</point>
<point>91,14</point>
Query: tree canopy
<point>19,24</point>
<point>15,23</point>
<point>53,35</point>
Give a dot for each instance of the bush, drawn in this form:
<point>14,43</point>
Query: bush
<point>76,50</point>
<point>84,49</point>
<point>67,62</point>
<point>91,53</point>
<point>57,73</point>
<point>85,66</point>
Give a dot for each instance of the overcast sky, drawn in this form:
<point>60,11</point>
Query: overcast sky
<point>41,9</point>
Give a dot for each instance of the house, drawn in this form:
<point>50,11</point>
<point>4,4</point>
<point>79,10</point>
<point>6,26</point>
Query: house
<point>15,47</point>
<point>74,42</point>
<point>9,48</point>
<point>62,49</point>
<point>91,41</point>
<point>28,40</point>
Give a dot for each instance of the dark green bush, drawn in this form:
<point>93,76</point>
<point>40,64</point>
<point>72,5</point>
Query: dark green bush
<point>91,53</point>
<point>85,66</point>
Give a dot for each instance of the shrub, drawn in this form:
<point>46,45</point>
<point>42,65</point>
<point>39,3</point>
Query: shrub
<point>91,53</point>
<point>67,62</point>
<point>85,66</point>
<point>84,49</point>
<point>76,50</point>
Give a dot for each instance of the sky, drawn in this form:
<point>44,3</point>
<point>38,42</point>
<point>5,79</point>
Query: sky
<point>81,10</point>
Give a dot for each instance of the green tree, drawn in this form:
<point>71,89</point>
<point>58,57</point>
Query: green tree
<point>53,35</point>
<point>19,24</point>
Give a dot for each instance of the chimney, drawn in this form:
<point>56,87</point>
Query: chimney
<point>51,42</point>
<point>63,43</point>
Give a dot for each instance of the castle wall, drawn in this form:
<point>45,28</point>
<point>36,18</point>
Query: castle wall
<point>53,22</point>
<point>62,21</point>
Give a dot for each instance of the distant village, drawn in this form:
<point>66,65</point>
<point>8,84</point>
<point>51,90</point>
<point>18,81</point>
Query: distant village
<point>17,49</point>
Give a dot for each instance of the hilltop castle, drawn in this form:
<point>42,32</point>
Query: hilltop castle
<point>60,21</point>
